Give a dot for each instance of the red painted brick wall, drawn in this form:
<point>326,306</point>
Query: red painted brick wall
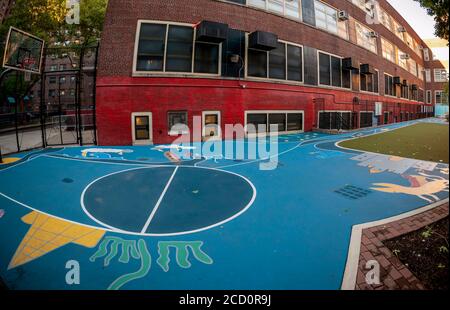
<point>119,94</point>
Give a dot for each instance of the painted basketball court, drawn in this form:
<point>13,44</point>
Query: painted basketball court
<point>134,219</point>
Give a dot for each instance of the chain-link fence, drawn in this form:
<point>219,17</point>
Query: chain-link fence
<point>54,108</point>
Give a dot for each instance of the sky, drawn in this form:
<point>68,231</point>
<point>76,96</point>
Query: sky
<point>416,16</point>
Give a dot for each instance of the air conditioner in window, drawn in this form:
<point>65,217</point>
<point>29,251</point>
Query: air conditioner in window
<point>373,34</point>
<point>405,56</point>
<point>401,29</point>
<point>343,15</point>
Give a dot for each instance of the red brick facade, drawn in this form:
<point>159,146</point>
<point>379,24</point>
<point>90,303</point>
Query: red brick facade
<point>119,93</point>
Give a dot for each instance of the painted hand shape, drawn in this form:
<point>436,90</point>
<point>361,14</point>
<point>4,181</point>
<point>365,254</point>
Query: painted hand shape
<point>129,247</point>
<point>182,253</point>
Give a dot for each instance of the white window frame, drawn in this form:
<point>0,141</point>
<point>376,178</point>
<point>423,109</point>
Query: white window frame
<point>267,112</point>
<point>219,125</point>
<point>426,54</point>
<point>194,37</point>
<point>338,22</point>
<point>133,128</point>
<point>436,92</point>
<point>428,75</point>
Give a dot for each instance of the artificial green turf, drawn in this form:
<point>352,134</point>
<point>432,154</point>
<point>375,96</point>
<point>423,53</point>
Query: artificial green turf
<point>425,141</point>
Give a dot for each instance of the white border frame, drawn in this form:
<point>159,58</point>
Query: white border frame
<point>4,65</point>
<point>219,125</point>
<point>133,128</point>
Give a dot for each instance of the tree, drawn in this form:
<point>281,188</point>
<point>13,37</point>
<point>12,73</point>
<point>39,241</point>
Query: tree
<point>445,94</point>
<point>439,10</point>
<point>47,19</point>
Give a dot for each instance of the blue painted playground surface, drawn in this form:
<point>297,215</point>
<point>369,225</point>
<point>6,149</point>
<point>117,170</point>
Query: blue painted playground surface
<point>133,219</point>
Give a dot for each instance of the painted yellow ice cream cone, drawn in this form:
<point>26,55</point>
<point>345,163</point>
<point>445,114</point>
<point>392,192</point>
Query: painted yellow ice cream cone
<point>48,233</point>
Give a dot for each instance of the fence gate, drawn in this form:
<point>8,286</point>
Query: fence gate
<point>54,108</point>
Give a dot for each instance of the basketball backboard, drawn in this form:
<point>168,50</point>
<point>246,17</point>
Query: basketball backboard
<point>23,51</point>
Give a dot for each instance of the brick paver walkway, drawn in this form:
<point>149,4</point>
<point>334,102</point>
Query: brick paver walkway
<point>394,274</point>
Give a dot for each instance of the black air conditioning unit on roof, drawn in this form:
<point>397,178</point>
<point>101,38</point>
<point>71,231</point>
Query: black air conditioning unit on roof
<point>367,69</point>
<point>214,32</point>
<point>350,63</point>
<point>261,40</point>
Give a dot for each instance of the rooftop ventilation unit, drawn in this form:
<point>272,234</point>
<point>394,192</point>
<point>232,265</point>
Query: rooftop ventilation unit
<point>214,32</point>
<point>261,40</point>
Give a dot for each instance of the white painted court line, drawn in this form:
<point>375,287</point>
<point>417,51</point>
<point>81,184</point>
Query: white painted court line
<point>150,218</point>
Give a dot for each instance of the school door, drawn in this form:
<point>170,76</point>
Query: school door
<point>211,125</point>
<point>142,128</point>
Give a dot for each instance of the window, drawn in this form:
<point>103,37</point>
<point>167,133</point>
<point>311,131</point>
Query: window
<point>283,63</point>
<point>295,63</point>
<point>261,122</point>
<point>331,72</point>
<point>409,40</point>
<point>53,67</point>
<point>369,82</point>
<point>429,97</point>
<point>386,19</point>
<point>397,28</point>
<point>420,72</point>
<point>73,79</point>
<point>62,80</point>
<point>441,98</point>
<point>440,75</point>
<point>289,8</point>
<point>142,127</point>
<point>62,67</point>
<point>402,61</point>
<point>206,58</point>
<point>365,39</point>
<point>389,87</point>
<point>426,54</point>
<point>428,75</point>
<point>327,19</point>
<point>335,120</point>
<point>412,67</point>
<point>171,48</point>
<point>179,49</point>
<point>178,123</point>
<point>52,93</point>
<point>364,5</point>
<point>152,43</point>
<point>52,79</point>
<point>388,50</point>
<point>366,119</point>
<point>277,62</point>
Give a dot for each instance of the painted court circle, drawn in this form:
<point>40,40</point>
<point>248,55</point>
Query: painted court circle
<point>167,200</point>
